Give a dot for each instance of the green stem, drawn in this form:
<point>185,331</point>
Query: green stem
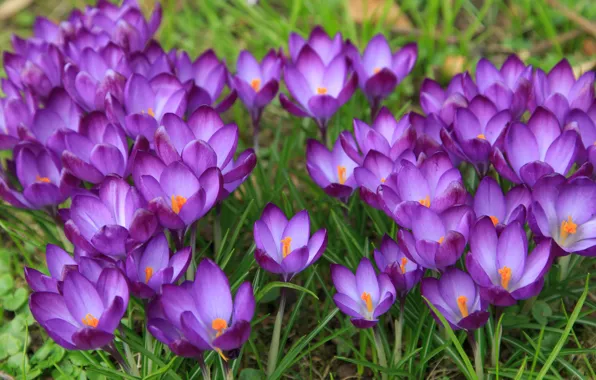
<point>274,349</point>
<point>380,352</point>
<point>192,268</point>
<point>217,231</point>
<point>204,368</point>
<point>399,325</point>
<point>564,267</point>
<point>228,373</point>
<point>131,360</point>
<point>498,312</point>
<point>477,356</point>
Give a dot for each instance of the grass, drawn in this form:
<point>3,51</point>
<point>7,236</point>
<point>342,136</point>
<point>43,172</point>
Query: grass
<point>552,341</point>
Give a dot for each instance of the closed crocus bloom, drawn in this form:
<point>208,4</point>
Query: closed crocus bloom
<point>457,298</point>
<point>364,296</point>
<point>403,272</point>
<point>560,92</point>
<point>501,209</point>
<point>443,103</point>
<point>435,184</point>
<point>111,221</point>
<point>501,265</point>
<point>436,240</point>
<point>151,62</point>
<point>150,266</point>
<point>428,135</point>
<point>15,114</point>
<point>508,88</point>
<point>331,170</point>
<point>205,313</point>
<point>58,262</point>
<point>326,48</point>
<point>174,193</point>
<point>45,184</point>
<point>208,75</point>
<point>284,246</point>
<point>387,136</point>
<point>374,171</point>
<point>476,129</point>
<point>85,316</point>
<point>537,149</point>
<point>565,210</point>
<point>319,88</point>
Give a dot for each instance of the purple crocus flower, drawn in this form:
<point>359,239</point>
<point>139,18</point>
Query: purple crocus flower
<point>331,170</point>
<point>537,149</point>
<point>443,103</point>
<point>565,210</point>
<point>501,209</point>
<point>151,62</point>
<point>508,88</point>
<point>111,221</point>
<point>319,88</point>
<point>150,266</point>
<point>476,129</point>
<point>174,193</point>
<point>428,135</point>
<point>501,265</point>
<point>435,183</point>
<point>44,182</point>
<point>364,296</point>
<point>205,313</point>
<point>403,273</point>
<point>436,240</point>
<point>58,262</point>
<point>560,92</point>
<point>379,70</point>
<point>15,115</point>
<point>374,171</point>
<point>326,48</point>
<point>457,298</point>
<point>387,136</point>
<point>209,75</point>
<point>85,316</point>
<point>284,246</point>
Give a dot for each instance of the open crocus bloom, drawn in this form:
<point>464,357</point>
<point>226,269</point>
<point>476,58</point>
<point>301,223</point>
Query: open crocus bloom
<point>205,313</point>
<point>436,240</point>
<point>537,149</point>
<point>565,210</point>
<point>326,48</point>
<point>374,171</point>
<point>508,88</point>
<point>560,92</point>
<point>403,273</point>
<point>331,170</point>
<point>364,296</point>
<point>457,298</point>
<point>501,265</point>
<point>85,316</point>
<point>435,184</point>
<point>58,263</point>
<point>476,129</point>
<point>387,136</point>
<point>443,103</point>
<point>111,221</point>
<point>149,267</point>
<point>501,209</point>
<point>284,246</point>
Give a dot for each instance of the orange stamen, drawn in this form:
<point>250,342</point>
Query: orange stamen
<point>321,90</point>
<point>255,84</point>
<point>463,306</point>
<point>425,202</point>
<point>150,112</point>
<point>376,70</point>
<point>568,227</point>
<point>219,325</point>
<point>383,180</point>
<point>90,321</point>
<point>341,174</point>
<point>402,265</point>
<point>481,136</point>
<point>148,274</point>
<point>441,239</point>
<point>366,298</point>
<point>286,246</point>
<point>494,219</point>
<point>505,274</point>
<point>42,179</point>
<point>225,358</point>
<point>177,202</point>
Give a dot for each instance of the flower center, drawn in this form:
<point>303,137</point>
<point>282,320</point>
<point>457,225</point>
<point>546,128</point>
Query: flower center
<point>383,179</point>
<point>42,179</point>
<point>90,320</point>
<point>505,274</point>
<point>368,300</point>
<point>255,84</point>
<point>286,246</point>
<point>341,174</point>
<point>462,304</point>
<point>402,265</point>
<point>567,227</point>
<point>148,274</point>
<point>441,239</point>
<point>494,219</point>
<point>321,90</point>
<point>376,70</point>
<point>481,136</point>
<point>425,202</point>
<point>177,202</point>
<point>219,325</point>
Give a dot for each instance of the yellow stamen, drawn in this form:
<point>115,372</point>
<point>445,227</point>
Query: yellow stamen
<point>286,246</point>
<point>494,219</point>
<point>225,358</point>
<point>463,306</point>
<point>383,180</point>
<point>341,174</point>
<point>425,202</point>
<point>567,227</point>
<point>321,90</point>
<point>177,202</point>
<point>505,274</point>
<point>441,239</point>
<point>90,321</point>
<point>219,325</point>
<point>150,112</point>
<point>402,265</point>
<point>148,274</point>
<point>481,136</point>
<point>376,70</point>
<point>367,298</point>
<point>42,179</point>
<point>255,84</point>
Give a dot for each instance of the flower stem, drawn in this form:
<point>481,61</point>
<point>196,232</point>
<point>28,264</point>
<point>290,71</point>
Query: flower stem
<point>217,230</point>
<point>228,373</point>
<point>477,355</point>
<point>256,128</point>
<point>399,325</point>
<point>204,368</point>
<point>564,267</point>
<point>380,352</point>
<point>375,106</point>
<point>192,267</point>
<point>274,348</point>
